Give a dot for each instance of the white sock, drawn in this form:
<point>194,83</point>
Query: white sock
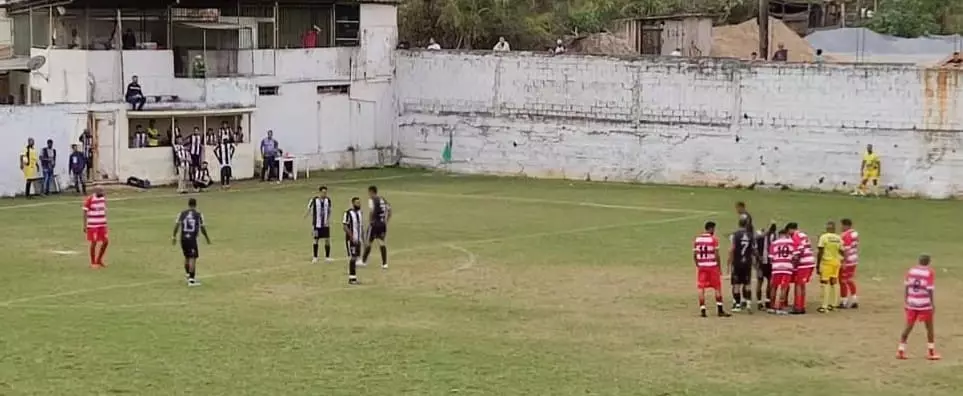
<point>844,301</point>
<point>902,347</point>
<point>853,298</point>
<point>931,346</point>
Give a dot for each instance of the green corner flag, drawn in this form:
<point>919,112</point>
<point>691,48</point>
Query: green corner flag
<point>446,153</point>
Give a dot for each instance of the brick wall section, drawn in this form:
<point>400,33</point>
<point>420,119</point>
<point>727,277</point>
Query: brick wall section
<point>681,121</point>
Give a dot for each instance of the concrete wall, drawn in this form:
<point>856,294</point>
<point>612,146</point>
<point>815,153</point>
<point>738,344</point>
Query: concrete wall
<point>40,123</point>
<point>670,120</point>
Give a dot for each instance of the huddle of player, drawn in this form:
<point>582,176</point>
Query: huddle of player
<point>784,260</point>
<point>355,234</point>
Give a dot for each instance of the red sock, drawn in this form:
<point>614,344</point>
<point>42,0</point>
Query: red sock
<point>702,300</point>
<point>718,297</point>
<point>844,289</point>
<point>800,301</point>
<point>103,251</point>
<point>93,253</point>
<point>852,287</point>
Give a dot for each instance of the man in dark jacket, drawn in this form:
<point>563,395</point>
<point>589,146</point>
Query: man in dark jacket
<point>78,164</point>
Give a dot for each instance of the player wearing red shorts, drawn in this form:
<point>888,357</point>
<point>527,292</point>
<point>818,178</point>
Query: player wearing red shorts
<point>805,266</point>
<point>95,226</point>
<point>847,283</point>
<point>705,254</point>
<point>782,255</point>
<point>919,306</point>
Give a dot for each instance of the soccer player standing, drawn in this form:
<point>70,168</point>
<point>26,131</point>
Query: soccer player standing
<point>870,170</point>
<point>705,254</point>
<point>189,222</point>
<point>805,267</point>
<point>744,215</point>
<point>352,223</point>
<point>847,283</point>
<point>95,226</point>
<point>764,266</point>
<point>740,266</point>
<point>829,261</point>
<point>319,208</point>
<point>919,306</point>
<point>378,228</point>
<point>782,255</point>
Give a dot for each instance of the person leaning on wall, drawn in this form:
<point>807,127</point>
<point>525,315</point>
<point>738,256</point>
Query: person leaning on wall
<point>30,165</point>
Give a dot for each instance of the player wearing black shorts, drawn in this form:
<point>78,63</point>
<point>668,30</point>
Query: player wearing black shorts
<point>319,208</point>
<point>352,224</point>
<point>378,227</point>
<point>189,222</point>
<point>764,266</point>
<point>741,254</point>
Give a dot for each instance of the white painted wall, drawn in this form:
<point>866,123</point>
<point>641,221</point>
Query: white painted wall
<point>682,121</point>
<point>41,123</point>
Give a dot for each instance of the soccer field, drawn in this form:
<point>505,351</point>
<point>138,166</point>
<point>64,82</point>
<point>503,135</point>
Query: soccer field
<point>496,286</point>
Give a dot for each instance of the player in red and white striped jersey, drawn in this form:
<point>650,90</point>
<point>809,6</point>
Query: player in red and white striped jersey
<point>847,284</point>
<point>805,267</point>
<point>95,226</point>
<point>783,256</point>
<point>919,306</point>
<point>705,255</point>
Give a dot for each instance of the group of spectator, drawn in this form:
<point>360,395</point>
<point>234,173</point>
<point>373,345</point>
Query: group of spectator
<point>40,166</point>
<point>151,137</point>
<point>501,46</point>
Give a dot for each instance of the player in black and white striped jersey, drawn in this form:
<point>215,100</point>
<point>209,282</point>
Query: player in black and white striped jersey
<point>352,223</point>
<point>224,151</point>
<point>319,208</point>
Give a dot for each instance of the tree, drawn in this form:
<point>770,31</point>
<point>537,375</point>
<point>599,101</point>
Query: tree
<point>914,18</point>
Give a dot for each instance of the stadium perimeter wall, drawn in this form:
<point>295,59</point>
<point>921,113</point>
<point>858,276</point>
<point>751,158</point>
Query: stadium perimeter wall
<point>681,121</point>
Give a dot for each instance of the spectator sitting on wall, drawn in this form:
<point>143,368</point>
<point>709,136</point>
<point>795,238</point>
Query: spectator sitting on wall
<point>781,54</point>
<point>310,37</point>
<point>403,45</point>
<point>754,56</point>
<point>559,47</point>
<point>955,61</point>
<point>433,45</point>
<point>819,57</point>
<point>676,52</point>
<point>153,135</point>
<point>134,95</point>
<point>502,45</point>
<point>77,164</point>
<point>128,40</point>
<point>198,68</point>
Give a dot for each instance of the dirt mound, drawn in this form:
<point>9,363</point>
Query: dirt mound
<point>739,41</point>
<point>601,44</point>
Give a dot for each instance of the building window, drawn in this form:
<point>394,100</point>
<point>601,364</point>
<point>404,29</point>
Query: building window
<point>267,91</point>
<point>333,89</point>
<point>347,22</point>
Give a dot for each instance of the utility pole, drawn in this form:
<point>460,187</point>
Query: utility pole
<point>763,29</point>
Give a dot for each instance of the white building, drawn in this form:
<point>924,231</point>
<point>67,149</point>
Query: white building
<point>330,103</point>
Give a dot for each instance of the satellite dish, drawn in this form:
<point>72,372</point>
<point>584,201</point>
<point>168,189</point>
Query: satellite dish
<point>36,62</point>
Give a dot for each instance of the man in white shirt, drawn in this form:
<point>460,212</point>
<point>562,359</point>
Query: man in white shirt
<point>559,48</point>
<point>432,45</point>
<point>502,45</point>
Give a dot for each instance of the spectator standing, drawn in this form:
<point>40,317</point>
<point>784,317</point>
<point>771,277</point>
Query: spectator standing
<point>781,54</point>
<point>198,68</point>
<point>225,133</point>
<point>153,135</point>
<point>433,45</point>
<point>269,152</point>
<point>310,37</point>
<point>182,153</point>
<point>225,157</point>
<point>210,138</point>
<point>29,165</point>
<point>74,40</point>
<point>140,137</point>
<point>87,143</point>
<point>129,40</point>
<point>239,135</point>
<point>48,162</point>
<point>195,146</point>
<point>78,162</point>
<point>502,45</point>
<point>134,95</point>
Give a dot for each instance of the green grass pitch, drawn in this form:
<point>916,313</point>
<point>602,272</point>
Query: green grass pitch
<point>496,286</point>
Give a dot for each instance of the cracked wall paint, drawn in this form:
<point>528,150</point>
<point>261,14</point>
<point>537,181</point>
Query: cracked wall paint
<point>681,121</point>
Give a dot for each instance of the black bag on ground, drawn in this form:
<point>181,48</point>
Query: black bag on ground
<point>139,183</point>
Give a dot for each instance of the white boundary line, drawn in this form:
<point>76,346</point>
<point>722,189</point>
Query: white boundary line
<point>12,302</point>
<point>469,263</point>
<point>148,195</point>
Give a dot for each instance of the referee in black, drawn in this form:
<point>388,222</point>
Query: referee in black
<point>224,151</point>
<point>189,222</point>
<point>352,237</point>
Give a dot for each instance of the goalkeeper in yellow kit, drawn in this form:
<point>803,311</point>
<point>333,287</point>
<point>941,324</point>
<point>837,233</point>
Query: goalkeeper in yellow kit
<point>828,260</point>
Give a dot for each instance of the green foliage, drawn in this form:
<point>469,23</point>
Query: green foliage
<point>914,18</point>
<point>531,24</point>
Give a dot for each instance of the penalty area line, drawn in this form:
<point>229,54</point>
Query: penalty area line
<point>16,301</point>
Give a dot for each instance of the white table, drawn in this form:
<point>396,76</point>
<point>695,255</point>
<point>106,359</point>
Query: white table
<point>294,167</point>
